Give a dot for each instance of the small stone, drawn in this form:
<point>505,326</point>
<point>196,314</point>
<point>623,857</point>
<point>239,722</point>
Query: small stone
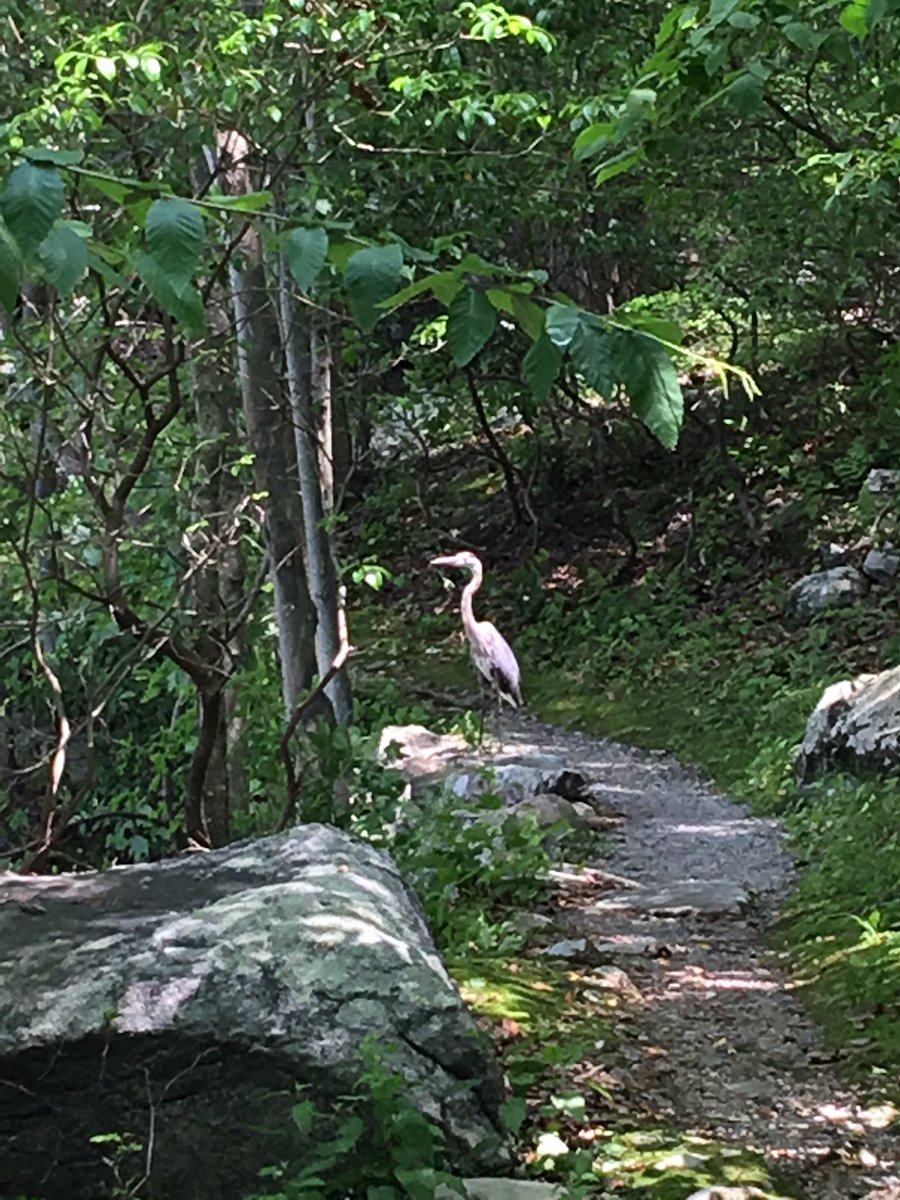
<point>681,1160</point>
<point>568,948</point>
<point>881,480</point>
<point>527,922</point>
<point>550,1145</point>
<point>833,554</point>
<point>614,979</point>
<point>881,566</point>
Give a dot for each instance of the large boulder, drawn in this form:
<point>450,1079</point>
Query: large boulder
<point>855,727</point>
<point>177,1006</point>
<point>834,588</point>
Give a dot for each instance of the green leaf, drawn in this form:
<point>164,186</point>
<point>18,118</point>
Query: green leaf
<point>56,158</point>
<point>304,1114</point>
<point>65,258</point>
<point>246,202</point>
<point>743,20</point>
<point>660,327</point>
<point>541,367</point>
<point>513,1113</point>
<point>177,296</point>
<point>479,266</point>
<point>109,187</point>
<point>563,322</point>
<point>106,66</point>
<point>529,315</point>
<point>471,321</point>
<point>853,18</point>
<point>593,356</point>
<point>30,203</point>
<point>371,277</point>
<point>340,253</point>
<point>592,140</point>
<point>424,283</point>
<point>175,229</point>
<point>623,161</point>
<point>651,381</point>
<point>446,286</point>
<point>10,271</point>
<point>803,37</point>
<point>306,251</point>
<point>745,94</point>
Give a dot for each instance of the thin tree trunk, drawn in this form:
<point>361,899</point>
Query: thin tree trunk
<point>320,374</point>
<point>269,436</point>
<point>321,572</point>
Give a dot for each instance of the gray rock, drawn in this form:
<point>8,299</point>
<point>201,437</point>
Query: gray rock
<point>815,593</point>
<point>504,1189</point>
<point>712,896</point>
<point>881,566</point>
<point>833,554</point>
<point>881,480</point>
<point>730,1193</point>
<point>528,922</point>
<point>855,727</point>
<point>568,948</point>
<point>514,782</point>
<point>191,996</point>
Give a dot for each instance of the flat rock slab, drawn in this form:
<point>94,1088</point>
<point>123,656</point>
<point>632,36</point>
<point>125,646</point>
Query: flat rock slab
<point>183,1003</point>
<point>504,1189</point>
<point>709,896</point>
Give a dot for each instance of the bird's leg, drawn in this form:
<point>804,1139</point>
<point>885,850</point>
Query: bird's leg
<point>481,707</point>
<point>499,718</point>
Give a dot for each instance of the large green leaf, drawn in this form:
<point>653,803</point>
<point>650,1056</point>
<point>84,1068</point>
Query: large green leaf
<point>529,315</point>
<point>10,270</point>
<point>65,258</point>
<point>618,164</point>
<point>854,18</point>
<point>30,202</point>
<point>563,322</point>
<point>306,251</point>
<point>243,202</point>
<point>179,298</point>
<point>174,229</point>
<point>471,321</point>
<point>592,140</point>
<point>444,285</point>
<point>541,367</point>
<point>745,94</point>
<point>56,158</point>
<point>651,381</point>
<point>593,355</point>
<point>371,276</point>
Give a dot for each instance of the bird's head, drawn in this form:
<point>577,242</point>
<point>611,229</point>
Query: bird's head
<point>465,559</point>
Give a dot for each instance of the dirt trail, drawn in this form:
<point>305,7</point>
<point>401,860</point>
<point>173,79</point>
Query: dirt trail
<point>736,1057</point>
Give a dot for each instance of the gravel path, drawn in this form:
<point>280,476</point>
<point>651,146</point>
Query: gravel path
<point>735,1058</point>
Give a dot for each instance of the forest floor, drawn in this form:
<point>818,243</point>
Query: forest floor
<point>714,1040</point>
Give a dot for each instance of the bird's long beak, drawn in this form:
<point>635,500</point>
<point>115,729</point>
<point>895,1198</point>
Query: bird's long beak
<point>443,561</point>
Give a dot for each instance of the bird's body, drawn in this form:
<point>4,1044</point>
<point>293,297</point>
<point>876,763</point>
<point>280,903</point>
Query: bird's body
<point>492,654</point>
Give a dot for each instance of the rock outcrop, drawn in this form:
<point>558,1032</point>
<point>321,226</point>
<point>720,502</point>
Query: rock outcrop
<point>855,727</point>
<point>177,1007</point>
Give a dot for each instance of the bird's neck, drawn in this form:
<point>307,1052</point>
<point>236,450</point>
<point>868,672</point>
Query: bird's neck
<point>466,610</point>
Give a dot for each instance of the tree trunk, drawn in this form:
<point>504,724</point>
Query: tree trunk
<point>270,440</point>
<point>321,572</point>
